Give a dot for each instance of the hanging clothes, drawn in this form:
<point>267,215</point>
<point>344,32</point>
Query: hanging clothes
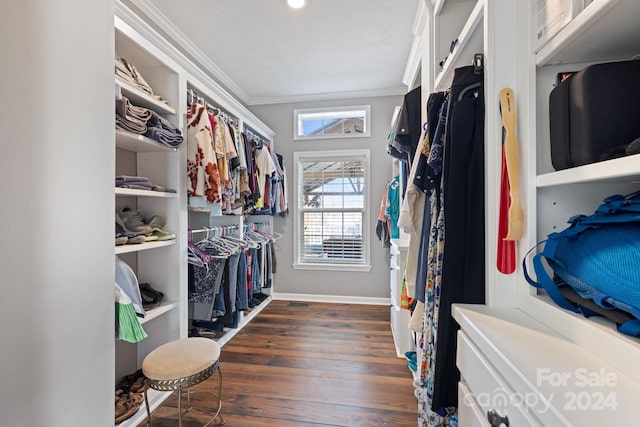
<point>391,210</point>
<point>202,163</point>
<point>435,236</point>
<point>463,265</point>
<point>204,285</point>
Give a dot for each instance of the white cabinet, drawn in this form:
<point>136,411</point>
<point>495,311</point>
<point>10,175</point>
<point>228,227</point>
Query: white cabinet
<point>402,336</point>
<point>522,369</point>
<point>519,342</point>
<point>604,31</point>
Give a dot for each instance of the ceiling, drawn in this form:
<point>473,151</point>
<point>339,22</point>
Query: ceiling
<point>264,52</point>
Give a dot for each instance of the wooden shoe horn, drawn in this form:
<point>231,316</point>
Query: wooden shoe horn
<point>509,119</point>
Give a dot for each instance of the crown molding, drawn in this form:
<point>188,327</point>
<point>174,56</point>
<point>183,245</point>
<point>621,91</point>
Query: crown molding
<point>328,96</point>
<point>180,39</point>
<point>126,18</point>
<point>414,61</point>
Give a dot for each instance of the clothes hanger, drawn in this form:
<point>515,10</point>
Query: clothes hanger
<point>195,255</point>
<point>211,242</point>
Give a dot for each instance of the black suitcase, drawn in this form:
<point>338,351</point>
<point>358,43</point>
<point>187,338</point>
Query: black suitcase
<point>595,114</point>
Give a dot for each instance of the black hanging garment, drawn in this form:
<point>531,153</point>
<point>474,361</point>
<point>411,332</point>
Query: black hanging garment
<point>464,251</point>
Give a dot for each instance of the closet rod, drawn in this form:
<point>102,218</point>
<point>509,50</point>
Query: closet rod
<point>195,97</point>
<point>222,228</point>
<point>249,131</point>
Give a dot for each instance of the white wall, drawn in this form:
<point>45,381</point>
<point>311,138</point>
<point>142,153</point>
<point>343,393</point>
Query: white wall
<point>372,284</point>
<point>57,213</point>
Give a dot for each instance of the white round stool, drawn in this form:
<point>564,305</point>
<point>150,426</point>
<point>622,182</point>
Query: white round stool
<point>180,364</point>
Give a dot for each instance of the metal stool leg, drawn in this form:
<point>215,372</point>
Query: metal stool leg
<point>219,410</point>
<point>146,403</point>
<point>180,406</point>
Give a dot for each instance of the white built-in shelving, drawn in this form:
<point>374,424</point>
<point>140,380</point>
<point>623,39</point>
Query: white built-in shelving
<point>604,31</point>
<point>163,264</point>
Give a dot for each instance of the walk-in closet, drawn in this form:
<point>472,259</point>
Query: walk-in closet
<point>317,212</point>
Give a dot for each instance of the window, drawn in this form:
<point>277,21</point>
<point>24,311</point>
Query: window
<point>337,122</point>
<point>332,217</point>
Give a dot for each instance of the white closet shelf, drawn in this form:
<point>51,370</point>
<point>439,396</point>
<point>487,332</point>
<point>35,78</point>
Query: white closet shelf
<point>123,249</point>
<point>470,42</point>
<point>155,399</point>
<point>158,311</point>
<point>622,170</point>
<point>606,30</point>
<point>141,98</point>
<point>143,193</point>
<point>138,143</point>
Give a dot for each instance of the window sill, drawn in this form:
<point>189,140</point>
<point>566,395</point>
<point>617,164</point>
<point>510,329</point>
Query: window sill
<point>332,267</point>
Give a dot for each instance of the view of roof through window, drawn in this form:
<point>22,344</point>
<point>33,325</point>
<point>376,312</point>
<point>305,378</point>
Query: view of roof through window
<point>337,122</point>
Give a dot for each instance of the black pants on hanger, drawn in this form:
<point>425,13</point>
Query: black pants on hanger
<point>463,263</point>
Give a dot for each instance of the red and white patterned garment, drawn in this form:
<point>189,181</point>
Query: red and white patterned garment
<point>202,167</point>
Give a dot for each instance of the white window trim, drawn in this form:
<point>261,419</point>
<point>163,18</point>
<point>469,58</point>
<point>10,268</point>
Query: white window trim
<point>367,122</point>
<point>366,227</point>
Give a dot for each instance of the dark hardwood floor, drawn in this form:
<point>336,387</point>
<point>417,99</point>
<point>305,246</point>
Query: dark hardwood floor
<point>310,364</point>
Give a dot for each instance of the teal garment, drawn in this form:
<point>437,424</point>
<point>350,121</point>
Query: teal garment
<point>392,206</point>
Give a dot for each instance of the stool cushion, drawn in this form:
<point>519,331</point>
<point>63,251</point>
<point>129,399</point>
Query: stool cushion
<point>180,359</point>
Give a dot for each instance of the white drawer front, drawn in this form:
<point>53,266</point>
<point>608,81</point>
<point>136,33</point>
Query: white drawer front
<point>489,389</point>
<point>469,413</point>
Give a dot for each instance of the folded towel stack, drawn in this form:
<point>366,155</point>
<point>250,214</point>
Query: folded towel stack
<point>142,121</point>
<point>161,130</point>
<point>130,117</point>
<point>128,72</point>
<point>134,182</point>
<point>140,183</point>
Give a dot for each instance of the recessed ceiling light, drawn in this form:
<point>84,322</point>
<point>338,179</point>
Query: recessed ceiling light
<point>297,4</point>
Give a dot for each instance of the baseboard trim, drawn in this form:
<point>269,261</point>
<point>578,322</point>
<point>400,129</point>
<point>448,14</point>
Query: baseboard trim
<point>339,299</point>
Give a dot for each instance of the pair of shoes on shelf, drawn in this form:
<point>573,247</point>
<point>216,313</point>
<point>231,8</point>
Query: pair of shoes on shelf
<point>129,396</point>
<point>132,383</point>
<point>132,224</point>
<point>157,223</point>
<point>150,297</point>
<point>132,221</point>
<point>124,237</point>
<point>127,404</point>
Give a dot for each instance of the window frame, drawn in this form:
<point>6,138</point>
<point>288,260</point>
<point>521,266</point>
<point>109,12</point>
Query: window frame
<point>299,262</point>
<point>298,112</point>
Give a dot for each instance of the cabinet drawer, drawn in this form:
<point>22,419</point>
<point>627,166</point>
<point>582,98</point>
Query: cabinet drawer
<point>401,334</point>
<point>489,389</point>
<point>469,413</point>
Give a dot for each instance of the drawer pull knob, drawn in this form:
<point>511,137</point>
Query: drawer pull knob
<point>496,420</point>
